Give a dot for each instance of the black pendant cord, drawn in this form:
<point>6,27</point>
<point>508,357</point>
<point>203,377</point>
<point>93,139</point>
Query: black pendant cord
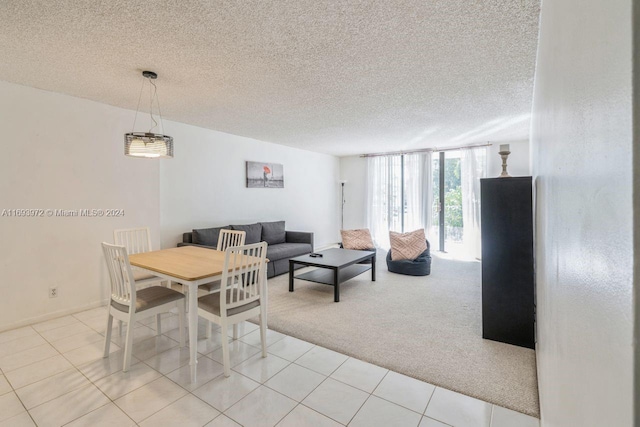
<point>151,96</point>
<point>135,118</point>
<point>155,95</point>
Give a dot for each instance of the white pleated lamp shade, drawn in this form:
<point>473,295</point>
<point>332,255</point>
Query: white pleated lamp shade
<point>150,145</point>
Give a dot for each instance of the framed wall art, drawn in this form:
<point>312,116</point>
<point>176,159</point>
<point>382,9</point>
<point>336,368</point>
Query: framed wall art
<point>265,175</point>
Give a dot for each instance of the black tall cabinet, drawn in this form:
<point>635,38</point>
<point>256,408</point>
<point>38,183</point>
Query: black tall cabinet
<point>508,306</point>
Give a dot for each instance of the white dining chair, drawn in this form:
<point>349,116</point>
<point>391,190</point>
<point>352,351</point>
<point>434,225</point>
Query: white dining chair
<point>229,238</point>
<point>242,294</point>
<point>226,239</point>
<point>138,240</point>
<point>130,304</point>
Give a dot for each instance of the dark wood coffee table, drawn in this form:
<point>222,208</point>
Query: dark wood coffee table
<point>336,266</point>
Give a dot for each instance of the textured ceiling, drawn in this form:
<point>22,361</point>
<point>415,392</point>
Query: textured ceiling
<point>340,77</point>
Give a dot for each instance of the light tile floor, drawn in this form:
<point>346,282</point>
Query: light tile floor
<point>53,374</point>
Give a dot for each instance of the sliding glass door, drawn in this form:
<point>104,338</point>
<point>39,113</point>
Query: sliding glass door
<point>453,223</point>
<point>456,199</point>
<point>439,193</point>
<point>446,213</point>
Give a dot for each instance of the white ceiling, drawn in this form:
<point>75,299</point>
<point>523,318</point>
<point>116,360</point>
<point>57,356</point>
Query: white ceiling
<point>340,77</point>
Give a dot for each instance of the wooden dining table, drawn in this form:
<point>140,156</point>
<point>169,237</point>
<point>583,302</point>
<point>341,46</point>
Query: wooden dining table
<point>191,266</point>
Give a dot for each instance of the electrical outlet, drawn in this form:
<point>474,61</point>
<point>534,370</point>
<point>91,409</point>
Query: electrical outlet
<point>53,292</point>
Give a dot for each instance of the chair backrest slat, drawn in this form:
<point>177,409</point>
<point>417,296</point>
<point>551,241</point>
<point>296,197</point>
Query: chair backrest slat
<point>228,238</point>
<point>136,240</point>
<point>243,275</point>
<point>120,275</point>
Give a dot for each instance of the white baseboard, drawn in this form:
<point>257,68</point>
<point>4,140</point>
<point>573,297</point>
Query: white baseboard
<point>52,315</point>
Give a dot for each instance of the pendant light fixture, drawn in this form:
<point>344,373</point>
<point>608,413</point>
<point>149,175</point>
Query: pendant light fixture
<point>148,144</point>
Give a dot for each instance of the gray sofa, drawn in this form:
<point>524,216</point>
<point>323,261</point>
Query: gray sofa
<point>282,244</point>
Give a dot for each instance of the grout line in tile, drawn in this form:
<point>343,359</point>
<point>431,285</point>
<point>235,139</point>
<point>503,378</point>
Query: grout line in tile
<point>38,361</point>
<point>92,328</point>
<point>252,391</point>
<point>429,401</point>
<point>32,420</point>
<point>359,389</point>
<point>22,403</point>
<point>266,386</point>
<point>324,415</point>
<point>387,400</point>
<point>44,379</point>
<point>314,389</point>
<point>439,420</point>
<point>360,408</point>
<point>314,346</point>
<point>93,410</point>
<point>17,338</point>
<point>491,417</point>
<point>168,404</point>
<point>72,335</point>
<point>383,377</point>
<point>287,414</point>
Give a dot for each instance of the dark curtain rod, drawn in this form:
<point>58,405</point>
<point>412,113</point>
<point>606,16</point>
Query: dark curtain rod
<point>426,150</point>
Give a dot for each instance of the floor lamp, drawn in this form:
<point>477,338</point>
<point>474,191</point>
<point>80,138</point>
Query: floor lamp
<point>342,183</point>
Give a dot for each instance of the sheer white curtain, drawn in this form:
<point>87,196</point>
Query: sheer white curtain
<point>473,166</point>
<point>384,195</point>
<point>418,191</point>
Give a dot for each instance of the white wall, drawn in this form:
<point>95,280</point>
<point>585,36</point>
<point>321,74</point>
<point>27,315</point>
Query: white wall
<point>204,185</point>
<point>60,152</point>
<point>354,170</point>
<point>582,162</point>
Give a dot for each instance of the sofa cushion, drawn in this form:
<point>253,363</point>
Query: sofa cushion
<point>207,236</point>
<point>407,245</point>
<point>287,250</point>
<point>273,232</point>
<point>254,232</point>
<point>357,239</point>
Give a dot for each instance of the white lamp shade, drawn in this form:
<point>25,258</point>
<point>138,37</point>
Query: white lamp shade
<point>149,145</point>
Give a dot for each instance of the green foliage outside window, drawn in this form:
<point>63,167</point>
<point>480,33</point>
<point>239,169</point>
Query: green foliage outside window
<point>453,197</point>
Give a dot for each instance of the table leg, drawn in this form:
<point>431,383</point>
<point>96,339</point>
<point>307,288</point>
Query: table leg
<point>291,276</point>
<point>336,283</point>
<point>373,269</point>
<point>193,329</point>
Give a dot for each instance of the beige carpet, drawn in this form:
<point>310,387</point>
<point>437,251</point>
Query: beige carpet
<point>428,328</point>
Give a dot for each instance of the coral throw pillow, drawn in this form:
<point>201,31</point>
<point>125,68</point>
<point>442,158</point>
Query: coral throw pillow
<point>408,245</point>
<point>357,239</point>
